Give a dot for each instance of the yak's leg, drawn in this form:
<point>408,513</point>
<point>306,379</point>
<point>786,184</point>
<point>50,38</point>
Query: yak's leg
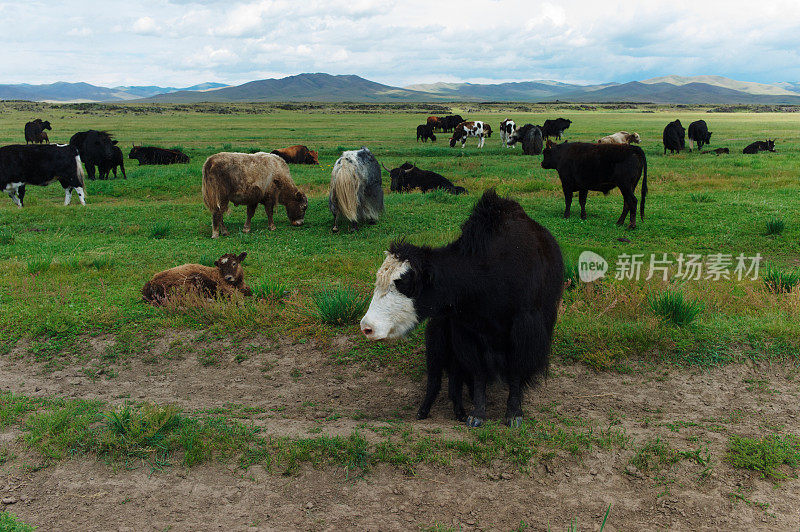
<point>567,200</point>
<point>251,210</point>
<point>216,223</point>
<point>437,351</point>
<point>269,207</point>
<point>630,201</point>
<point>478,415</point>
<point>67,195</point>
<point>514,403</point>
<point>353,227</point>
<point>455,389</point>
<point>335,212</point>
<point>582,200</point>
<point>13,195</point>
<point>625,210</point>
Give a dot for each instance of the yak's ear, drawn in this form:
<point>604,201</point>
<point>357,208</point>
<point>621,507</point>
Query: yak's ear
<point>242,256</point>
<point>299,195</point>
<point>216,263</point>
<point>114,142</point>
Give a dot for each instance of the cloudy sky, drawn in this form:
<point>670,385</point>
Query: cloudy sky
<point>184,42</point>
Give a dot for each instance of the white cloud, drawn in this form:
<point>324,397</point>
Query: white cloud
<point>390,41</point>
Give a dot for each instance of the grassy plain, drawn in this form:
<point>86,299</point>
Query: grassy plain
<point>75,271</point>
<point>85,360</point>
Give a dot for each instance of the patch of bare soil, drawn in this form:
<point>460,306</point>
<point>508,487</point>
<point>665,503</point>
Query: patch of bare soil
<point>296,390</point>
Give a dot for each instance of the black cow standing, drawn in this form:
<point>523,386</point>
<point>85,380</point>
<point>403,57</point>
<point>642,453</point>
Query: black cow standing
<point>94,147</point>
<point>449,122</point>
<point>40,165</point>
<point>759,145</point>
<point>674,137</point>
<point>491,298</point>
<point>584,166</point>
<point>407,177</point>
<point>154,155</point>
<point>698,132</point>
<point>554,128</point>
<point>108,165</point>
<point>34,131</point>
<point>425,132</point>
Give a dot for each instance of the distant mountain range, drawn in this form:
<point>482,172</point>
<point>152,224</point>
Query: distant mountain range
<point>350,88</point>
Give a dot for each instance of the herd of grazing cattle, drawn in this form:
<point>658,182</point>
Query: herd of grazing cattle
<point>491,297</point>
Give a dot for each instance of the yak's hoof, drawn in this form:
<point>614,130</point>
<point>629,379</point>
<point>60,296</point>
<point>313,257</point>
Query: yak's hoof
<point>272,227</point>
<point>514,422</point>
<point>474,421</point>
<point>245,229</point>
<point>214,235</point>
<point>461,415</point>
<point>335,229</point>
<point>632,226</point>
<point>422,413</point>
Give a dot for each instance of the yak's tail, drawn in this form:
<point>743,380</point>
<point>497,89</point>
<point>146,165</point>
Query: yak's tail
<point>644,186</point>
<point>344,189</point>
<point>211,187</point>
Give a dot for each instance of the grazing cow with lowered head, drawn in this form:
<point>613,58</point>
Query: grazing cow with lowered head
<point>507,128</point>
<point>491,300</point>
<point>40,165</point>
<point>674,137</point>
<point>554,128</point>
<point>34,131</point>
<point>224,279</point>
<point>356,192</point>
<point>297,154</point>
<point>584,166</point>
<point>94,147</point>
<point>621,137</point>
<point>465,130</point>
<point>758,146</point>
<point>450,122</point>
<point>250,179</point>
<point>407,177</point>
<point>153,155</point>
<point>425,132</point>
<point>108,165</point>
<point>698,132</point>
<point>531,138</point>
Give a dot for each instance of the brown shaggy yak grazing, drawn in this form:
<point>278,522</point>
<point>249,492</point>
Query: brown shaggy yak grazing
<point>226,278</point>
<point>250,179</point>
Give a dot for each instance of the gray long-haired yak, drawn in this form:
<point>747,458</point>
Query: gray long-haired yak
<point>356,192</point>
<point>250,179</point>
<point>491,300</point>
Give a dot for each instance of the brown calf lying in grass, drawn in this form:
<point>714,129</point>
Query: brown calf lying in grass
<point>227,278</point>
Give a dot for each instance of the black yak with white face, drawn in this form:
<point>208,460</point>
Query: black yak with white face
<point>491,298</point>
<point>356,192</point>
<point>531,138</point>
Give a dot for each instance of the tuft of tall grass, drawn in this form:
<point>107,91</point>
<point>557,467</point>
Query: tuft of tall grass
<point>139,432</point>
<point>571,276</point>
<point>340,306</point>
<point>39,264</point>
<point>702,197</point>
<point>676,308</point>
<point>11,523</point>
<point>269,289</point>
<point>160,230</point>
<point>775,226</point>
<point>781,281</point>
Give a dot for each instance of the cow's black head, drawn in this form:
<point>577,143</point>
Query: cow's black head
<point>93,146</point>
<point>551,156</point>
<point>46,125</point>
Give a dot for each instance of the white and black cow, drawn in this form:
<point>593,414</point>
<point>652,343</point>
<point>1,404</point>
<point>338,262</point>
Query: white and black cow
<point>491,299</point>
<point>507,128</point>
<point>40,164</point>
<point>465,130</point>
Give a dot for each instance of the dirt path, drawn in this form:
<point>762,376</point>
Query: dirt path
<point>294,389</point>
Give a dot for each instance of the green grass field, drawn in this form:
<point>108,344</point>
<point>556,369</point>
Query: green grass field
<point>72,271</point>
<point>283,385</point>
